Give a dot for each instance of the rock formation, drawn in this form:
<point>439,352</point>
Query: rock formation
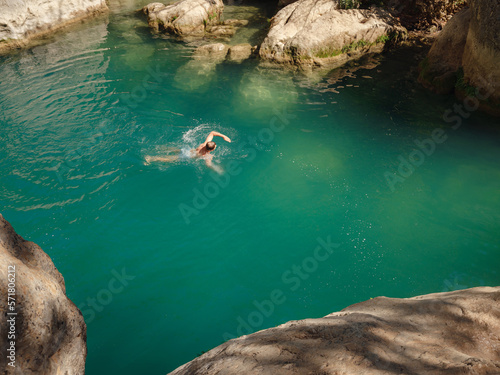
<point>317,32</point>
<point>420,14</point>
<point>443,333</point>
<point>481,58</point>
<point>439,70</point>
<point>49,333</point>
<point>466,55</point>
<point>22,19</point>
<point>185,17</point>
<point>239,52</point>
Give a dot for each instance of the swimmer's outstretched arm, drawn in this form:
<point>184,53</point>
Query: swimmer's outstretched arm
<point>217,134</point>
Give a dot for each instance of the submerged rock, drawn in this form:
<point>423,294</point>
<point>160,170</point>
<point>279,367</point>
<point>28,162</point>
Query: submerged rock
<point>262,92</point>
<point>214,51</point>
<point>239,52</point>
<point>442,333</point>
<point>317,32</point>
<point>185,17</point>
<point>49,330</point>
<point>22,20</point>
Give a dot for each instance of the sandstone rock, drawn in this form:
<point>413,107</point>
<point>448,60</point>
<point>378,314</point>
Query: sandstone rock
<point>50,330</point>
<point>185,17</point>
<point>443,333</point>
<point>215,51</point>
<point>465,56</point>
<point>481,58</point>
<point>237,23</point>
<point>310,32</point>
<point>221,30</point>
<point>439,71</point>
<point>239,52</point>
<point>21,20</point>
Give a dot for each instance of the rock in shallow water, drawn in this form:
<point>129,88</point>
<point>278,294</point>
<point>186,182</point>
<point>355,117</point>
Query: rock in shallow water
<point>185,17</point>
<point>50,333</point>
<point>308,32</point>
<point>443,333</point>
<point>19,20</point>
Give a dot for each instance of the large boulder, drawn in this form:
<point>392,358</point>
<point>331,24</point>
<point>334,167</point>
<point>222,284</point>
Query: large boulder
<point>436,334</point>
<point>439,70</point>
<point>465,56</point>
<point>48,330</point>
<point>481,58</point>
<point>20,20</point>
<point>317,32</point>
<point>184,17</point>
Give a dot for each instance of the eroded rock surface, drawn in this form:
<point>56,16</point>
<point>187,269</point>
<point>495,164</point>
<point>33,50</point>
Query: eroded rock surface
<point>481,58</point>
<point>315,32</point>
<point>443,333</point>
<point>19,20</point>
<point>185,17</point>
<point>465,57</point>
<point>440,69</point>
<point>49,330</point>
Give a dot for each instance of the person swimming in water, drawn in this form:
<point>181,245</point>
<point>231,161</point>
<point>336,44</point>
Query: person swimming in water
<point>202,151</point>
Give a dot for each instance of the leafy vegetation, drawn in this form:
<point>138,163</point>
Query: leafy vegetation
<point>355,45</point>
<point>349,4</point>
<point>463,85</point>
<point>383,39</point>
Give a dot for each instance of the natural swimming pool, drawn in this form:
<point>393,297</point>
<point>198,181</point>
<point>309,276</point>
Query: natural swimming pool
<point>324,202</point>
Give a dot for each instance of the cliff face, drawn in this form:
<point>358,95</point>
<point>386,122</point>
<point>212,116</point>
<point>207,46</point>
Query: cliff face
<point>481,58</point>
<point>43,332</point>
<point>465,58</point>
<point>22,19</point>
<point>443,333</point>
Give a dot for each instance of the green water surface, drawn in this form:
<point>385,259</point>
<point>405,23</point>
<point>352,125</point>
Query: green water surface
<point>169,260</point>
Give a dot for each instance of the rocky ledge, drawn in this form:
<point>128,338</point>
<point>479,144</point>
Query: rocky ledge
<point>443,333</point>
<point>48,334</point>
<point>20,21</point>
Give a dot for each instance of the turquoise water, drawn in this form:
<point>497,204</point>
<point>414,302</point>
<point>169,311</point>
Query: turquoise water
<point>160,278</point>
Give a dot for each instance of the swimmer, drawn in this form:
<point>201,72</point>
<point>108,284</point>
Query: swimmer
<point>202,151</point>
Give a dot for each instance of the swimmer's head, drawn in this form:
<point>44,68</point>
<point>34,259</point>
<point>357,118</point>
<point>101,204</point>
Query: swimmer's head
<point>211,146</point>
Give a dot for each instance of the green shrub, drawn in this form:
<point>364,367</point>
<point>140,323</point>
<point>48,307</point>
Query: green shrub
<point>349,4</point>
